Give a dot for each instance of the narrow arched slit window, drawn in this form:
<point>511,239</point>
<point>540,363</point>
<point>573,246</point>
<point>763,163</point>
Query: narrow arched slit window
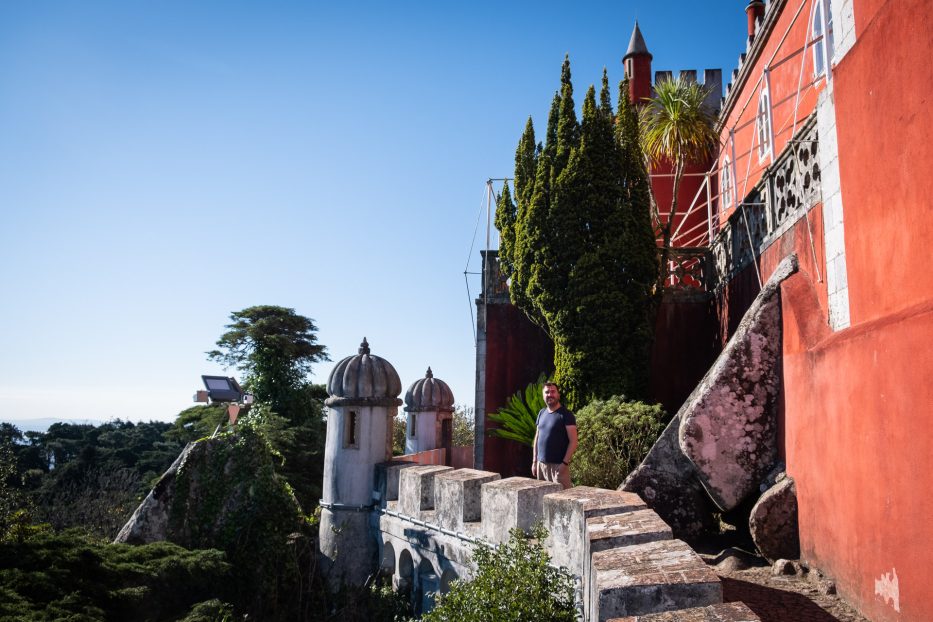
<point>725,185</point>
<point>351,432</point>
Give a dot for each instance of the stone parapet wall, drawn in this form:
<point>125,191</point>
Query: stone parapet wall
<point>622,554</point>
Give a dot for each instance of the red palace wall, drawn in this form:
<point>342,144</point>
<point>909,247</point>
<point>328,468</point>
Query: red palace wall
<point>517,352</point>
<point>791,66</point>
<point>859,402</point>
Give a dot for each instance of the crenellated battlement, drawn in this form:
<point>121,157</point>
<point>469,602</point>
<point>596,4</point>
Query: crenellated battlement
<point>712,80</point>
<point>622,554</point>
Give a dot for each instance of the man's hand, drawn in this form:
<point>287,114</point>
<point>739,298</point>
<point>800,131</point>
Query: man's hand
<point>534,468</point>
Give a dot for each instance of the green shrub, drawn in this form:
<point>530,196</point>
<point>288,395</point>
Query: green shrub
<point>513,583</point>
<point>213,610</point>
<point>519,416</point>
<point>614,437</point>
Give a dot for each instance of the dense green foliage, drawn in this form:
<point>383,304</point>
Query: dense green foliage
<point>518,418</point>
<point>73,576</point>
<point>578,245</point>
<point>79,475</point>
<point>614,436</point>
<point>513,582</point>
<point>228,496</point>
<point>677,129</point>
<point>464,426</point>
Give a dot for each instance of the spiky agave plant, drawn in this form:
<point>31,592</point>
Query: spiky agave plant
<point>519,416</point>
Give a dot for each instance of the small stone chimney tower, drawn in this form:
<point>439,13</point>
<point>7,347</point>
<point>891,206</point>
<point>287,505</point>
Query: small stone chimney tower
<point>637,62</point>
<point>755,12</point>
<point>430,405</point>
<point>362,405</point>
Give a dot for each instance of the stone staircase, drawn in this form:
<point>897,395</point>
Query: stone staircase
<point>625,557</point>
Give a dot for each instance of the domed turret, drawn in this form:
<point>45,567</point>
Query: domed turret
<point>429,393</point>
<point>361,409</point>
<point>364,379</point>
<point>430,404</point>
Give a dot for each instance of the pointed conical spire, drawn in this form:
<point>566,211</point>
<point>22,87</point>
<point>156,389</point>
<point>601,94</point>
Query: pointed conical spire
<point>364,347</point>
<point>636,45</point>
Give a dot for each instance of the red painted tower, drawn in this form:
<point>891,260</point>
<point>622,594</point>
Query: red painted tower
<point>637,62</point>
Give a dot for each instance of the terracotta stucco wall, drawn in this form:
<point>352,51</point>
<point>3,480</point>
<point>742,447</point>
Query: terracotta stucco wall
<point>859,402</point>
<point>789,57</point>
<point>883,114</point>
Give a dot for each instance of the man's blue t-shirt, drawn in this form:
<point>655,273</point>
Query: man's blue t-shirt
<point>552,434</point>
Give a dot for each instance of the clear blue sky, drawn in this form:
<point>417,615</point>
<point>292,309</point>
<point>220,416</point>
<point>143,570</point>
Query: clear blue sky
<point>165,163</point>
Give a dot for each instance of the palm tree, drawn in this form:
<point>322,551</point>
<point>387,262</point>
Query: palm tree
<point>678,128</point>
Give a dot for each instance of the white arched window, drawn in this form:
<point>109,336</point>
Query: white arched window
<point>763,124</point>
<point>821,31</point>
<point>726,185</point>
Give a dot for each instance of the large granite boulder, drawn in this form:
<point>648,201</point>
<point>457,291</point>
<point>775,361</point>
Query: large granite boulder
<point>150,521</point>
<point>667,482</point>
<point>728,425</point>
<point>221,493</point>
<point>773,522</point>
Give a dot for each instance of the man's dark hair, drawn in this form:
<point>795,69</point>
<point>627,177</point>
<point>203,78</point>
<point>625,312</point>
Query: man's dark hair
<point>550,383</point>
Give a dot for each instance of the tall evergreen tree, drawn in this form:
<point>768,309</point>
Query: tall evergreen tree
<point>569,245</point>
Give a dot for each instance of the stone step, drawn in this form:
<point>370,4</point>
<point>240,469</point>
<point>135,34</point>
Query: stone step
<point>618,530</point>
<point>726,612</point>
<point>565,516</point>
<point>649,578</point>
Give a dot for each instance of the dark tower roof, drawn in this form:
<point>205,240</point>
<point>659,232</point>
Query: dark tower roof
<point>636,45</point>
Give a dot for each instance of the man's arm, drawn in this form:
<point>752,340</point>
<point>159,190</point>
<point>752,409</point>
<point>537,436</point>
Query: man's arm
<point>571,443</point>
<point>534,455</point>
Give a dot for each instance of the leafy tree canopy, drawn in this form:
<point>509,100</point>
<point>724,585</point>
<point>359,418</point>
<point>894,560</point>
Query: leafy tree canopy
<point>274,346</point>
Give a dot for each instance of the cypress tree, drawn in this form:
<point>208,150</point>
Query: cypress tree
<point>525,164</point>
<point>505,223</point>
<point>568,129</point>
<point>550,136</point>
<point>579,244</point>
<point>605,99</point>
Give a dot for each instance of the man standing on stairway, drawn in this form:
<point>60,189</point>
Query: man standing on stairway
<point>555,439</point>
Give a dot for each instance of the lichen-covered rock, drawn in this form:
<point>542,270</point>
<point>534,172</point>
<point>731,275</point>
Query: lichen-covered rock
<point>217,489</point>
<point>773,522</point>
<point>728,425</point>
<point>223,493</point>
<point>667,483</point>
<point>150,521</point>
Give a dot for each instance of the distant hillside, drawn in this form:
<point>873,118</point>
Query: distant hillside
<point>42,424</point>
